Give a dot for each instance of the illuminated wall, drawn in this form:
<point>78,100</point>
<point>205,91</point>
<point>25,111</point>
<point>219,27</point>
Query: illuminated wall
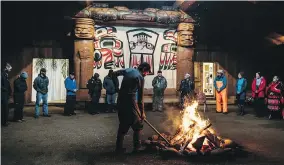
<point>122,47</point>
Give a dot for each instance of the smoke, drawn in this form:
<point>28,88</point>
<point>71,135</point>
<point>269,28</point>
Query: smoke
<point>173,119</point>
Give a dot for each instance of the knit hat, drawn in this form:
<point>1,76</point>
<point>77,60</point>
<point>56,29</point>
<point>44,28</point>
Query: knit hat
<point>220,71</point>
<point>24,75</point>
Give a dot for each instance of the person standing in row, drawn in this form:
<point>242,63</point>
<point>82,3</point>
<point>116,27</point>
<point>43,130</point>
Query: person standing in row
<point>20,87</point>
<point>71,89</point>
<point>241,86</point>
<point>95,87</point>
<point>159,84</point>
<point>41,86</point>
<point>110,87</point>
<point>5,94</point>
<point>275,99</point>
<point>220,84</point>
<point>131,112</point>
<point>186,89</point>
<point>258,94</point>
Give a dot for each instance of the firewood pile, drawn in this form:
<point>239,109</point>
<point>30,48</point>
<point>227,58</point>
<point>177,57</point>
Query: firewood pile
<point>193,137</point>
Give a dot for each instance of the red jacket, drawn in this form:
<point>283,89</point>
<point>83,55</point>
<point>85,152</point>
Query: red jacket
<point>261,91</point>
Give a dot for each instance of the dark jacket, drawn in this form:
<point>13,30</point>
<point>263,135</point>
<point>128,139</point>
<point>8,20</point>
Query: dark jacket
<point>41,84</point>
<point>186,86</point>
<point>5,86</point>
<point>95,86</point>
<point>109,85</point>
<point>159,85</point>
<point>129,110</point>
<point>116,83</point>
<point>70,86</point>
<point>20,86</point>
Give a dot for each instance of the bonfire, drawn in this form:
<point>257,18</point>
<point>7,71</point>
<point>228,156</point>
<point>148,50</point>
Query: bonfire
<point>194,136</point>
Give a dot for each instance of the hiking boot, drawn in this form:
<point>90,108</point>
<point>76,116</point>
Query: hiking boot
<point>23,120</point>
<point>73,113</point>
<point>36,117</point>
<point>19,121</point>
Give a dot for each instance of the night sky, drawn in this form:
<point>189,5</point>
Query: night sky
<point>231,26</point>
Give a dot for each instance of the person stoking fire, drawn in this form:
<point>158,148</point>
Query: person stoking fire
<point>131,113</point>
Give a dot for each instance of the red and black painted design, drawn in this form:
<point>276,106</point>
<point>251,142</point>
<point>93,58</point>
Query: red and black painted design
<point>108,49</point>
<point>142,44</point>
<point>168,57</point>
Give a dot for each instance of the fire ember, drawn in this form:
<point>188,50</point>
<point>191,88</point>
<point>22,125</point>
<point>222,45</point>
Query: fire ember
<point>194,136</point>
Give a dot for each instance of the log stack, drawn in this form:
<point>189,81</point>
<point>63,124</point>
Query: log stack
<point>206,144</point>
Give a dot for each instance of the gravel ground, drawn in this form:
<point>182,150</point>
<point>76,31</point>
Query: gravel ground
<point>86,140</point>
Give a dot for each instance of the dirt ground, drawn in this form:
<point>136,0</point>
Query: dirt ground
<point>88,140</point>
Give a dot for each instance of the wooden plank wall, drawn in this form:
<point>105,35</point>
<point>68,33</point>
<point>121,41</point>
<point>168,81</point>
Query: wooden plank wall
<point>223,60</point>
<point>22,61</point>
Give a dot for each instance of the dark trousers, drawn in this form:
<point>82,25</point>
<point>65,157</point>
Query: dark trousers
<point>122,131</point>
<point>19,101</point>
<point>259,107</point>
<point>70,104</point>
<point>94,107</point>
<point>4,109</point>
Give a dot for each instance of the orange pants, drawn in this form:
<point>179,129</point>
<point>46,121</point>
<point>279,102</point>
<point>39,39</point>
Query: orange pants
<point>221,97</point>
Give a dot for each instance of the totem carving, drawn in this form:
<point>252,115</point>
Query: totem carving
<point>83,50</point>
<point>84,28</point>
<point>185,51</point>
<point>185,34</point>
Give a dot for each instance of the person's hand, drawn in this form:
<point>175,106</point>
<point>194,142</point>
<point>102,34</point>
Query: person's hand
<point>256,91</point>
<point>143,117</point>
<point>271,93</point>
<point>75,90</point>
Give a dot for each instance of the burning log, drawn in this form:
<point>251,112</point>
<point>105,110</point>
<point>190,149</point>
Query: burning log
<point>190,139</point>
<point>212,138</point>
<point>198,143</point>
<point>187,143</point>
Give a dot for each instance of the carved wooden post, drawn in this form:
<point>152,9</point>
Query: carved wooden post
<point>185,51</point>
<point>83,53</point>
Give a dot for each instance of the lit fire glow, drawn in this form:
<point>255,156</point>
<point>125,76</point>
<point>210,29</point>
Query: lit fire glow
<point>192,127</point>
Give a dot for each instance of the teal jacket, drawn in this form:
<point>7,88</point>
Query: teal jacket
<point>223,79</point>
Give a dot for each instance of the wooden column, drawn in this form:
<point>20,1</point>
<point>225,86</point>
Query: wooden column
<point>83,54</point>
<point>185,51</point>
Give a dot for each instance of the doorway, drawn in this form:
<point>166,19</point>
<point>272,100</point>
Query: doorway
<point>57,72</point>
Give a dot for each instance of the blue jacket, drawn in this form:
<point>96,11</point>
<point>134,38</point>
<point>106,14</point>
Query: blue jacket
<point>109,85</point>
<point>70,85</point>
<point>241,86</point>
<point>223,79</point>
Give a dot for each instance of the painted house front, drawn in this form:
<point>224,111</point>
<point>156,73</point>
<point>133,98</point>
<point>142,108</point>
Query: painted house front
<point>118,47</point>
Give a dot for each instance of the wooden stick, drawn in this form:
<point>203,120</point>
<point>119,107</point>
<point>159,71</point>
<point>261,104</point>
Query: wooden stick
<point>146,121</point>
